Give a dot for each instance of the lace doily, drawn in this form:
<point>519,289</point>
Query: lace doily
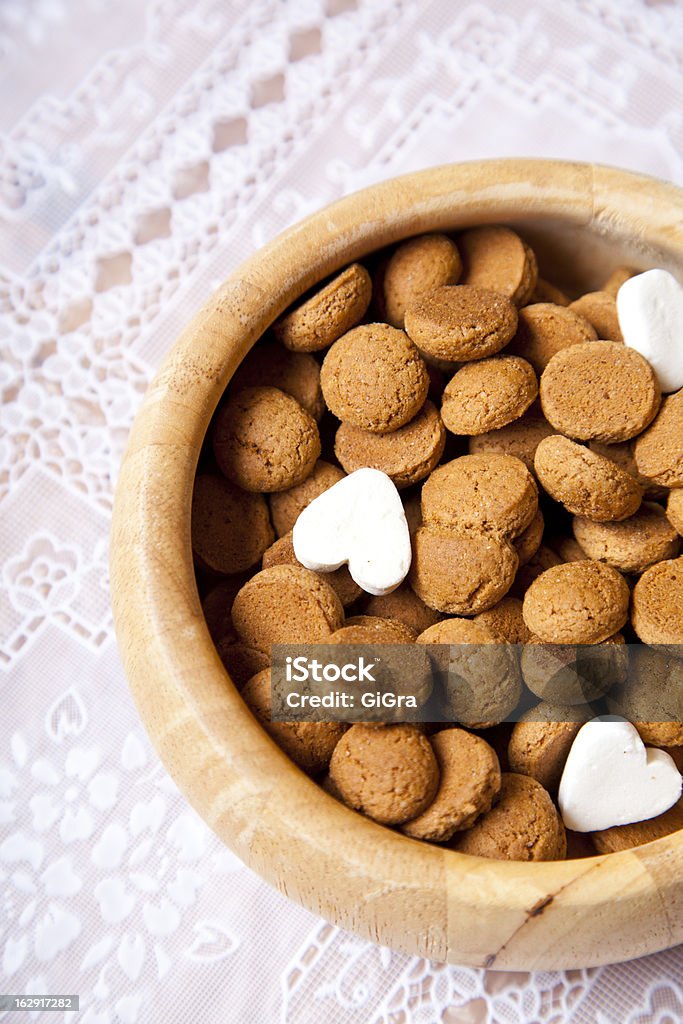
<point>146,149</point>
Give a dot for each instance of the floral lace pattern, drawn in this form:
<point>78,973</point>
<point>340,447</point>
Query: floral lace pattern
<point>146,148</point>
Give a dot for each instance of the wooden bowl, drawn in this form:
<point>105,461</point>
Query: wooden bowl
<point>396,891</point>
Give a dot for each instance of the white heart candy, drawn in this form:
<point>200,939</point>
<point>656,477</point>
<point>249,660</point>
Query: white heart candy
<point>650,311</point>
<point>612,778</point>
<point>359,520</point>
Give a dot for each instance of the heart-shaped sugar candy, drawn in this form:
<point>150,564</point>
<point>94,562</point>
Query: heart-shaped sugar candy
<point>612,778</point>
<point>359,520</point>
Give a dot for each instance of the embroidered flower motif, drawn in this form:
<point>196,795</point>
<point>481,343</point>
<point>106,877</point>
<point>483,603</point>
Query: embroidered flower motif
<point>43,578</point>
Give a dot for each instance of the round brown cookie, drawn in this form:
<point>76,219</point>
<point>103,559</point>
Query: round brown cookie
<point>529,541</point>
<point>372,629</point>
<point>230,527</point>
<point>600,309</point>
<point>282,553</point>
<point>545,329</point>
<point>547,292</point>
<point>497,258</point>
<point>567,549</point>
<point>587,484</point>
<point>600,390</point>
<point>241,661</point>
<point>523,825</point>
<point>569,675</point>
<point>484,493</point>
<point>331,312</point>
<point>417,267</point>
<point>652,697</point>
<point>576,603</point>
<point>659,451</point>
<point>286,605</point>
<point>618,277</point>
<point>545,558</point>
<point>541,741</point>
<point>269,364</point>
<point>404,606</point>
<point>264,440</point>
<point>308,744</point>
<point>479,675</point>
<point>520,438</point>
<point>217,605</point>
<point>632,545</point>
<point>374,378</point>
<point>287,506</point>
<point>488,394</point>
<point>506,622</point>
<point>674,509</point>
<point>389,774</point>
<point>622,455</point>
<point>406,455</point>
<point>460,573</point>
<point>469,782</point>
<point>657,609</point>
<point>459,323</point>
<point>626,837</point>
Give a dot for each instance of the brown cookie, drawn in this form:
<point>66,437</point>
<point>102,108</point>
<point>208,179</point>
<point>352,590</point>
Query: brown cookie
<point>659,451</point>
<point>626,837</point>
<point>287,506</point>
<point>618,277</point>
<point>458,323</point>
<point>600,309</point>
<point>622,455</point>
<point>485,493</point>
<point>488,394</point>
<point>520,438</point>
<point>269,364</point>
<point>545,558</point>
<point>282,553</point>
<point>657,610</point>
<point>506,622</point>
<point>529,541</point>
<point>568,675</point>
<point>567,549</point>
<point>372,629</point>
<point>286,605</point>
<point>407,455</point>
<point>389,774</point>
<point>469,782</point>
<point>481,684</point>
<point>497,258</point>
<point>600,390</point>
<point>576,603</point>
<point>523,825</point>
<point>547,292</point>
<point>541,741</point>
<point>217,606</point>
<point>652,697</point>
<point>632,545</point>
<point>674,509</point>
<point>587,484</point>
<point>459,572</point>
<point>264,440</point>
<point>544,329</point>
<point>241,661</point>
<point>230,527</point>
<point>308,744</point>
<point>404,606</point>
<point>329,313</point>
<point>374,378</point>
<point>417,267</point>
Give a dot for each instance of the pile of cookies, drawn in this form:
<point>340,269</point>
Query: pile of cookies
<point>539,458</point>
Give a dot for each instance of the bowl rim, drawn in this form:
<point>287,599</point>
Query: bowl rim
<point>385,886</point>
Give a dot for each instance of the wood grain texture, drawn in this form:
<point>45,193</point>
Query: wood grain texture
<point>397,891</point>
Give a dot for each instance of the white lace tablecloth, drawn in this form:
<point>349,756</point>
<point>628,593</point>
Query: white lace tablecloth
<point>146,148</point>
